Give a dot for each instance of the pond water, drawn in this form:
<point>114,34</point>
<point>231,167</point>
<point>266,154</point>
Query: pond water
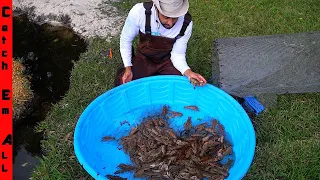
<point>47,53</point>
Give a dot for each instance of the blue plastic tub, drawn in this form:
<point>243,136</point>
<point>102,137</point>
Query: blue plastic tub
<point>144,97</point>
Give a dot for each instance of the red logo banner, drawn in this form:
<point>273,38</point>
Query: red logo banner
<point>6,139</point>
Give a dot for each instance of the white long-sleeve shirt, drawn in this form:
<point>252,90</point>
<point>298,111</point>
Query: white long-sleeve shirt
<point>136,21</point>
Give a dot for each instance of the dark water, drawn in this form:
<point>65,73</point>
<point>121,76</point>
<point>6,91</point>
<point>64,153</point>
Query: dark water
<point>47,53</point>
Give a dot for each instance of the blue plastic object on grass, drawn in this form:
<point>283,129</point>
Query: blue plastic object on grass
<point>253,105</point>
<point>137,99</point>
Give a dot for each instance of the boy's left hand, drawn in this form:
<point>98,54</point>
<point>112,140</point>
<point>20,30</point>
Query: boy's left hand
<point>190,74</point>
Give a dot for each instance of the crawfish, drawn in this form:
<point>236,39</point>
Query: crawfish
<point>133,131</point>
<point>188,124</point>
<point>194,82</point>
<point>205,139</point>
<point>164,110</point>
<point>124,122</point>
<point>201,127</point>
<point>171,133</point>
<point>126,167</point>
<point>194,108</point>
<point>221,129</point>
<point>227,151</point>
<point>175,114</point>
<point>107,138</point>
<point>214,122</point>
<point>111,177</point>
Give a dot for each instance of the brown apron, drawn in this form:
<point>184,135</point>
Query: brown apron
<point>152,58</point>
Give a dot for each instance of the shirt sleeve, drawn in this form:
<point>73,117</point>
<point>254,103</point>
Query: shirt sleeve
<point>178,53</point>
<point>129,31</point>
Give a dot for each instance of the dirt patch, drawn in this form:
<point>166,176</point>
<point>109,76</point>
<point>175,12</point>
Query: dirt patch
<point>88,18</point>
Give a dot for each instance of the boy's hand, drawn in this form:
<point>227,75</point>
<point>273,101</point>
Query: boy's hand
<point>190,74</point>
<point>127,75</point>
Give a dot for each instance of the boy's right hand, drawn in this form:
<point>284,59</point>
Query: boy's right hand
<point>127,75</point>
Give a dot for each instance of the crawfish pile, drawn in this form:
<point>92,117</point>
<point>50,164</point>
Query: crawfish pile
<point>158,152</point>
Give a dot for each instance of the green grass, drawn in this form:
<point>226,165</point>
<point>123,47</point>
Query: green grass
<point>288,139</point>
<point>288,134</point>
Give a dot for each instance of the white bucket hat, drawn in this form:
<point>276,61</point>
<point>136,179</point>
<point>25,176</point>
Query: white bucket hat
<point>172,8</point>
